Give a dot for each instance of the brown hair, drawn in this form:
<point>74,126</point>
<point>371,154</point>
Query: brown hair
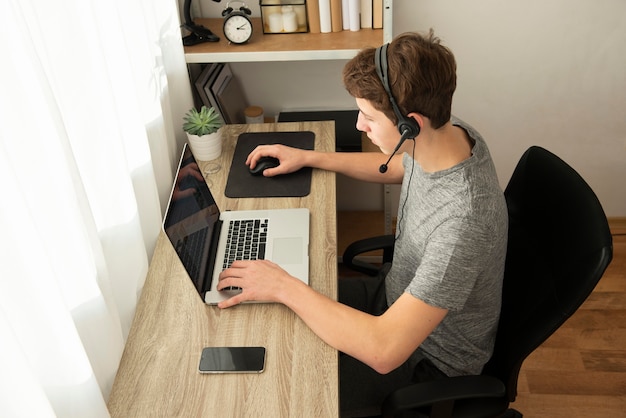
<point>421,72</point>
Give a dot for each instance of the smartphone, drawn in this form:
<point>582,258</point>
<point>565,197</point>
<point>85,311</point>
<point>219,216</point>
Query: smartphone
<point>232,360</point>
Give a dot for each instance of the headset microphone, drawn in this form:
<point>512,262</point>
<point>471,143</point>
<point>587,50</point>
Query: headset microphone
<point>404,137</point>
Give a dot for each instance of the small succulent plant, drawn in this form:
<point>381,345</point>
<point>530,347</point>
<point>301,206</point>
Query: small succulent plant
<point>204,122</point>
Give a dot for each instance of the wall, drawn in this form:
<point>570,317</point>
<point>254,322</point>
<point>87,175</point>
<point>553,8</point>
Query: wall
<point>550,73</point>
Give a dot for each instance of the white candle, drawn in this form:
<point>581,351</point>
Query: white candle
<point>301,15</point>
<point>276,22</point>
<point>290,21</point>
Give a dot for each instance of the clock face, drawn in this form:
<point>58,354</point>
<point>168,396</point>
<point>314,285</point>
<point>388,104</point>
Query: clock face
<point>237,28</point>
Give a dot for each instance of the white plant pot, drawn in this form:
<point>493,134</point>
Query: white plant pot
<point>206,147</point>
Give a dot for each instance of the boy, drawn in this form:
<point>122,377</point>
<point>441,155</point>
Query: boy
<point>437,309</point>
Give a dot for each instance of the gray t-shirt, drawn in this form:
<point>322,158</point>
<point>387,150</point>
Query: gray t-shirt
<point>450,250</point>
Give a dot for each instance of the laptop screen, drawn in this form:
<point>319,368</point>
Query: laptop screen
<point>191,220</point>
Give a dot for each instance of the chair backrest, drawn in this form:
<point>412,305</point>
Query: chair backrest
<point>559,247</point>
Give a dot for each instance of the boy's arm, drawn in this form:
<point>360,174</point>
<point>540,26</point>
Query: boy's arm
<point>358,165</point>
<point>382,342</point>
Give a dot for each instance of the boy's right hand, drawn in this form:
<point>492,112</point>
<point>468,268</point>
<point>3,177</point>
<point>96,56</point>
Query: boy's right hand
<point>291,159</point>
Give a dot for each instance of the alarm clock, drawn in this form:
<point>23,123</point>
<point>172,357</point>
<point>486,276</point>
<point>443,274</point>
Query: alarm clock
<point>237,25</point>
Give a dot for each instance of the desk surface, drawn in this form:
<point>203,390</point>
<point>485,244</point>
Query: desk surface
<point>158,374</point>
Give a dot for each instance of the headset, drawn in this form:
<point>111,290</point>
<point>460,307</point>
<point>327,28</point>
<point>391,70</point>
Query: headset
<point>407,126</point>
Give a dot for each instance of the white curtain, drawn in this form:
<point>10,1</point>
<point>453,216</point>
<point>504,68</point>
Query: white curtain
<point>92,95</point>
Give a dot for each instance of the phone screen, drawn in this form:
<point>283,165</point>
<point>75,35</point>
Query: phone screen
<point>232,360</point>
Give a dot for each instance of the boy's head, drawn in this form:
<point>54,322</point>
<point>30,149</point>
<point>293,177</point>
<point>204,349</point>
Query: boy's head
<point>422,78</point>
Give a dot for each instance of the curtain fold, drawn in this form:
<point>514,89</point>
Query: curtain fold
<point>91,98</point>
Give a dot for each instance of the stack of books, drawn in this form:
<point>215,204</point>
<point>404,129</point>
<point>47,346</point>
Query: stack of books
<point>337,15</point>
<point>217,87</point>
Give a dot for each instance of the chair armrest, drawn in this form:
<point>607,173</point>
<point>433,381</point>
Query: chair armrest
<point>441,394</point>
<point>382,242</point>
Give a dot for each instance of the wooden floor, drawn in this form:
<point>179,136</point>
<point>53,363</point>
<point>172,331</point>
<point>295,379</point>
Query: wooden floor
<point>580,372</point>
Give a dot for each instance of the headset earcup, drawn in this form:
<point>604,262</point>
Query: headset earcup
<point>409,124</point>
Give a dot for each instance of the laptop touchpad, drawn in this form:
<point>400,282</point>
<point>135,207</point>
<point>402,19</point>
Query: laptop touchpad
<point>287,251</point>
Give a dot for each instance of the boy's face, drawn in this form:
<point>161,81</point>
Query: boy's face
<point>379,129</point>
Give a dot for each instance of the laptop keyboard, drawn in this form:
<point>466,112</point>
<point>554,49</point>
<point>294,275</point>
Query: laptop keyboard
<point>246,240</point>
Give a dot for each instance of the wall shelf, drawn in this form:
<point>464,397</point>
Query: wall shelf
<point>281,47</point>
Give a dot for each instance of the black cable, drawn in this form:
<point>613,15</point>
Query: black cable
<point>198,33</point>
<point>408,190</point>
<point>187,13</point>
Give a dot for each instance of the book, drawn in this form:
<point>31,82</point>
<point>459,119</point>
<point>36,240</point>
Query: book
<point>325,19</point>
<point>203,83</point>
<point>230,96</point>
<point>345,14</point>
<point>355,15</point>
<point>377,14</point>
<point>313,11</point>
<point>336,19</point>
<point>199,83</point>
<point>195,72</point>
<point>366,14</point>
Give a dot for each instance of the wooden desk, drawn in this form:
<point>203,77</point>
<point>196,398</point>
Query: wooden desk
<point>158,374</point>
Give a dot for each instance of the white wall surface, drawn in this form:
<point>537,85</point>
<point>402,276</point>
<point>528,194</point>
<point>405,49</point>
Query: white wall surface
<point>544,72</point>
<point>534,72</point>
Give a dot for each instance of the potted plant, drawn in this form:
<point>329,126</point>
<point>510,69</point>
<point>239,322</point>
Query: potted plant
<point>203,132</point>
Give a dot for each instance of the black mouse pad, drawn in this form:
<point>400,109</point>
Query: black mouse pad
<point>241,183</point>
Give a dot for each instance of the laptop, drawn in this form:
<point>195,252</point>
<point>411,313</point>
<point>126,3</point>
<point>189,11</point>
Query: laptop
<point>207,241</point>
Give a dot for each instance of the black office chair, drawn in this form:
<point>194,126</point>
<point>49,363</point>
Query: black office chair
<point>559,247</point>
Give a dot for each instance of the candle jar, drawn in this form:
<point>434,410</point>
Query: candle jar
<point>284,16</point>
<point>254,114</point>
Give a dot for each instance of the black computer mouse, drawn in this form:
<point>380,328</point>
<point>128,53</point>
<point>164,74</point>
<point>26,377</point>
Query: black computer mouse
<point>263,164</point>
